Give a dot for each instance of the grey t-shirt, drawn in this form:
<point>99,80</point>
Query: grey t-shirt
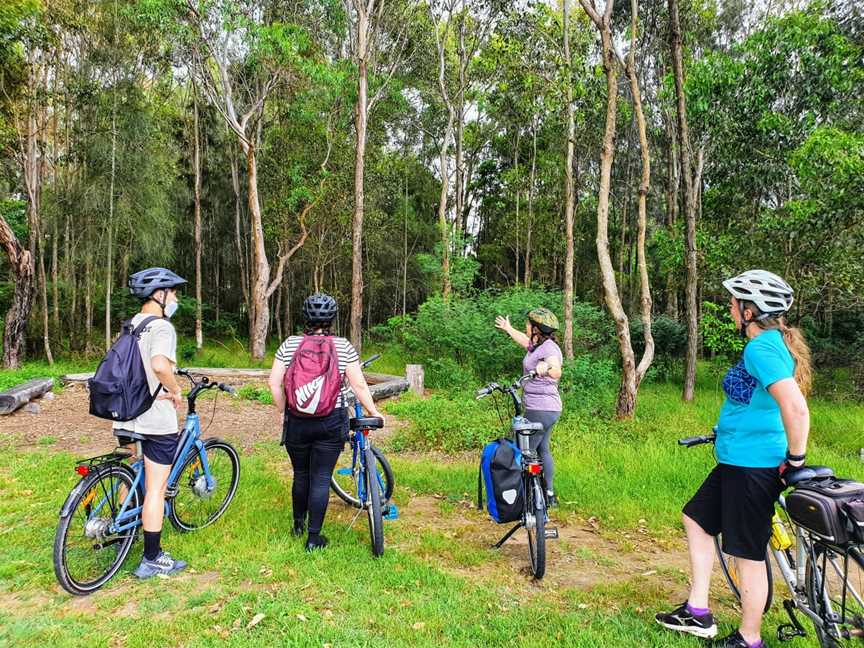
<point>157,338</point>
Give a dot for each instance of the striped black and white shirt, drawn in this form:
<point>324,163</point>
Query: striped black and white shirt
<point>344,350</point>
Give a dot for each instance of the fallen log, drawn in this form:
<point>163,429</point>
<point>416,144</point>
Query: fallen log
<point>20,395</point>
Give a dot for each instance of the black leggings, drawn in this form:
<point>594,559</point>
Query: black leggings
<point>314,445</point>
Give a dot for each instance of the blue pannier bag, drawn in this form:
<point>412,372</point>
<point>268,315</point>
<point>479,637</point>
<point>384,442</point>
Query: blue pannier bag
<point>119,390</point>
<point>501,472</point>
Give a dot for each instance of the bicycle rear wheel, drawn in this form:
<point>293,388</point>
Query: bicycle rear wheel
<point>373,508</point>
<point>535,524</point>
<point>343,482</point>
<point>197,503</point>
<point>729,565</point>
<point>86,553</point>
<point>835,590</point>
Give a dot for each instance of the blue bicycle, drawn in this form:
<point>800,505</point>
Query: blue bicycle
<point>360,487</point>
<point>101,516</point>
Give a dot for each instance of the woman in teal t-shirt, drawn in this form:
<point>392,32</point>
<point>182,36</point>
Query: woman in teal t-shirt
<point>762,431</point>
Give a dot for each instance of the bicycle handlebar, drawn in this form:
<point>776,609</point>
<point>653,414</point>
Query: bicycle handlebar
<point>369,361</point>
<point>689,442</point>
<point>504,389</point>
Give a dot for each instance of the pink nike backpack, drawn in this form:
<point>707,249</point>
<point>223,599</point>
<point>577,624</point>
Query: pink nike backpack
<point>312,382</point>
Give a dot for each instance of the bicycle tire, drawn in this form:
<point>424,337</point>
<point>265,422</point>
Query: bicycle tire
<point>537,531</point>
<point>90,487</point>
<point>215,448</point>
<point>384,470</point>
<point>373,510</point>
<point>727,565</point>
<point>851,611</point>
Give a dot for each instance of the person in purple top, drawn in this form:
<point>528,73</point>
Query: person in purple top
<point>540,395</point>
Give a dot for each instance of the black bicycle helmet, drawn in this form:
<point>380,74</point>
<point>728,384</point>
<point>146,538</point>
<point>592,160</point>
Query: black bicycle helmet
<point>320,308</point>
<point>144,283</point>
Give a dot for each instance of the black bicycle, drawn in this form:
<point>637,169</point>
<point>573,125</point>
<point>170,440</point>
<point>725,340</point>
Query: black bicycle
<point>534,513</point>
<point>825,579</point>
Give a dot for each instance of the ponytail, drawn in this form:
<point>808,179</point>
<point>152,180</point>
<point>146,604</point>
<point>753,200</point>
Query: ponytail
<point>797,345</point>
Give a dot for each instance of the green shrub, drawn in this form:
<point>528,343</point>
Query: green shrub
<point>451,423</point>
<point>718,331</point>
<point>253,392</point>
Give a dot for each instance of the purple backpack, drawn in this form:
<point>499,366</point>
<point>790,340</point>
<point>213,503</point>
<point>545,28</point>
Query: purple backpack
<point>119,390</point>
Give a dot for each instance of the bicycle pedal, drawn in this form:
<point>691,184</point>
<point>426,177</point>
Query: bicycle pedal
<point>391,512</point>
<point>552,534</point>
<point>171,492</point>
<point>788,632</point>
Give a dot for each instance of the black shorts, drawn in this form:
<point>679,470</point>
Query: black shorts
<point>738,503</point>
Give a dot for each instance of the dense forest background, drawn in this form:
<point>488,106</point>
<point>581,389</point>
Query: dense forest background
<point>432,164</point>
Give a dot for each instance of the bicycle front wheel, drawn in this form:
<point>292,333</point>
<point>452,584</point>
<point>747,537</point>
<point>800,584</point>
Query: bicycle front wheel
<point>835,587</point>
<point>201,498</point>
<point>87,553</point>
<point>343,482</point>
<point>729,565</point>
<point>535,523</point>
<point>373,508</point>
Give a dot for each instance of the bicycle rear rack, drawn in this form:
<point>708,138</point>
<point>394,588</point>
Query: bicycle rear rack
<point>116,456</point>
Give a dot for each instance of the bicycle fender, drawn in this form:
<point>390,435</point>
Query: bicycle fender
<point>213,440</point>
<point>66,509</point>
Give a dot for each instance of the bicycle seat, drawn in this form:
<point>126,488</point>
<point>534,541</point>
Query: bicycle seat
<point>525,427</point>
<point>794,476</point>
<point>128,435</point>
<point>366,423</point>
<point>821,471</point>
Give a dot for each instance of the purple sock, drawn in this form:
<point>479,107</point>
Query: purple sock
<point>758,644</point>
<point>697,611</point>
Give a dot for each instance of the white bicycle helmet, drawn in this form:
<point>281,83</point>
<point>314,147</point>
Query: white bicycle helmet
<point>770,293</point>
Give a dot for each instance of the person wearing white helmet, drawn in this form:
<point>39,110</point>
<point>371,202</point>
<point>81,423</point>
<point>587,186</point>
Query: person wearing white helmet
<point>761,432</point>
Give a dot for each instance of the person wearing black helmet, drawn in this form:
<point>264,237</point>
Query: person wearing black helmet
<point>157,427</point>
<point>315,439</point>
<point>540,394</point>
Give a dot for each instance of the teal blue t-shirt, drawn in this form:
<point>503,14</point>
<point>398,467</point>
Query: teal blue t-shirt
<point>750,430</point>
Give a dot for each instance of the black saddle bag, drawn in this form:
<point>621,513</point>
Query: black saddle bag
<point>831,509</point>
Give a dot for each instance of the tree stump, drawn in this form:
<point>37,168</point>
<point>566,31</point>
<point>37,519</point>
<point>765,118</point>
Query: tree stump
<point>414,376</point>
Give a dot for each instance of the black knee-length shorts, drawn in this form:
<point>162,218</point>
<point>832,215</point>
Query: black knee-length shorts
<point>738,503</point>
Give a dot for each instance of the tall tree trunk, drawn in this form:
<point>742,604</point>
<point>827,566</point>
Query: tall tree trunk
<point>530,224</point>
<point>644,185</point>
<point>55,279</point>
<point>405,254</point>
<point>360,117</point>
<point>568,189</point>
<point>196,163</point>
<point>238,236</point>
<point>260,314</point>
<point>443,225</point>
<point>518,194</point>
<point>671,210</point>
<point>109,266</point>
<point>22,266</point>
<point>689,200</point>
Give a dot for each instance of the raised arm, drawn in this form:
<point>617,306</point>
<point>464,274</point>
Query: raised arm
<point>519,337</point>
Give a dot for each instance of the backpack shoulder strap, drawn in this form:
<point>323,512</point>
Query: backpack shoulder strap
<point>140,328</point>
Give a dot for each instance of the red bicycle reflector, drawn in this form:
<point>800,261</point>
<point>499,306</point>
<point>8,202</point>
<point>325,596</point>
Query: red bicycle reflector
<point>82,470</point>
<point>534,468</point>
<point>366,432</point>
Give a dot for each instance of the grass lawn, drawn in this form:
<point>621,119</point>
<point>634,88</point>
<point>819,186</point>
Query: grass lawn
<point>438,583</point>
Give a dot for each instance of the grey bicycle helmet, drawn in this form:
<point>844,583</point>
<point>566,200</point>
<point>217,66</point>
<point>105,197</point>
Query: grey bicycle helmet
<point>770,293</point>
<point>144,283</point>
<point>320,308</point>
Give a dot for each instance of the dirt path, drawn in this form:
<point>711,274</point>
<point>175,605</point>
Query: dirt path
<point>452,535</point>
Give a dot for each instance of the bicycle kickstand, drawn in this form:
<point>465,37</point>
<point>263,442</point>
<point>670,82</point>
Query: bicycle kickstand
<point>789,631</point>
<point>507,536</point>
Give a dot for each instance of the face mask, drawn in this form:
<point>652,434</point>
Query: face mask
<point>170,309</point>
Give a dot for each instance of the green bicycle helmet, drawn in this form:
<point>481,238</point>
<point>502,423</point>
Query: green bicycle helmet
<point>544,319</point>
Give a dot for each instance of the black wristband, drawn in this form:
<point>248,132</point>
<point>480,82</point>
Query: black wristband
<point>791,457</point>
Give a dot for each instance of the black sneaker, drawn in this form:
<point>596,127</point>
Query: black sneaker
<point>313,544</point>
<point>681,620</point>
<point>734,640</point>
